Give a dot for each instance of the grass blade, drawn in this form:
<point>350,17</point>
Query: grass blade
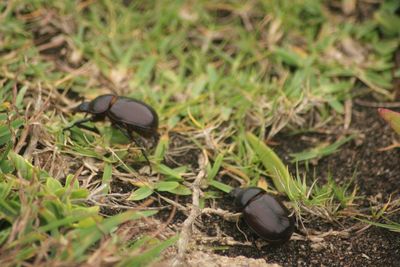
<point>84,238</point>
<point>272,163</point>
<point>320,151</point>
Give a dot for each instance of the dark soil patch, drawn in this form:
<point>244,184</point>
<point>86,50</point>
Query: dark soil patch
<point>376,175</point>
<point>375,171</point>
<point>375,247</point>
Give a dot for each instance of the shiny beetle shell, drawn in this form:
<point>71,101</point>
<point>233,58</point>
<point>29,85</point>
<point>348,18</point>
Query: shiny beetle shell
<point>264,214</point>
<point>129,113</point>
<point>141,115</point>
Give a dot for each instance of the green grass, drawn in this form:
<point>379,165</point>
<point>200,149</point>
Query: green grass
<point>224,75</point>
<point>320,150</point>
<point>300,190</point>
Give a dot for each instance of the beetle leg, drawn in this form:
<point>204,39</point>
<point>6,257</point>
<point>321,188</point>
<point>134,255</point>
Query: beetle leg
<point>137,141</point>
<point>93,129</point>
<point>123,130</point>
<point>77,123</point>
<point>156,138</point>
<point>141,147</point>
<point>80,124</point>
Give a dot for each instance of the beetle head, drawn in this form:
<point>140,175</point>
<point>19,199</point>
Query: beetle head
<point>83,107</point>
<point>244,195</point>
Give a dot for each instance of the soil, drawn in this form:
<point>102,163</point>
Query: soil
<point>375,171</point>
<point>376,176</point>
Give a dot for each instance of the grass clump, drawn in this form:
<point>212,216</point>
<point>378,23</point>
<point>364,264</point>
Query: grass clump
<point>45,222</point>
<point>328,198</point>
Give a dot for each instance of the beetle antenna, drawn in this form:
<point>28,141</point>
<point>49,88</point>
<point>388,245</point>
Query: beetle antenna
<point>141,147</point>
<point>156,138</point>
<point>137,141</point>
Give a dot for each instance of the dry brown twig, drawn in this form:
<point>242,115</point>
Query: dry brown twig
<point>222,240</point>
<point>174,203</point>
<point>168,221</point>
<point>195,211</point>
<point>226,215</point>
<point>348,107</point>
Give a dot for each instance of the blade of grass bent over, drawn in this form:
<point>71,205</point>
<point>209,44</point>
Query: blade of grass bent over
<point>272,163</point>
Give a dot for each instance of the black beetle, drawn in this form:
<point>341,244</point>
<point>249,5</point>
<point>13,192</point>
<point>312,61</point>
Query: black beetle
<point>264,214</point>
<point>127,114</point>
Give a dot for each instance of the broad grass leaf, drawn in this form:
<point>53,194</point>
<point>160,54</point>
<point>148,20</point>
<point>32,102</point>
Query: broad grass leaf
<point>221,186</point>
<point>181,190</point>
<point>217,165</point>
<point>141,193</point>
<point>172,174</point>
<point>21,165</point>
<point>166,185</point>
<point>272,163</point>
